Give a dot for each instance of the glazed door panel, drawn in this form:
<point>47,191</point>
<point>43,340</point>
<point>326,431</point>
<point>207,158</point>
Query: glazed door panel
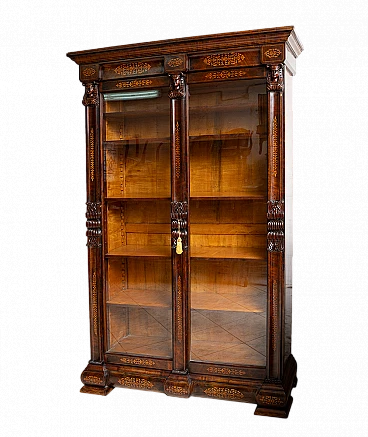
<point>137,196</point>
<point>228,208</point>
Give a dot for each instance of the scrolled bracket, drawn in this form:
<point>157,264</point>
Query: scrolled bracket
<point>90,97</point>
<point>94,232</point>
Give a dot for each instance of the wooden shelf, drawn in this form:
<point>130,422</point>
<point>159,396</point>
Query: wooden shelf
<point>137,197</point>
<point>216,252</point>
<point>166,140</point>
<point>227,196</point>
<point>205,300</point>
<point>195,196</point>
<point>141,251</point>
<point>219,252</point>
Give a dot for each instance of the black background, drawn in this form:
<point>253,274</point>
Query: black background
<point>77,347</point>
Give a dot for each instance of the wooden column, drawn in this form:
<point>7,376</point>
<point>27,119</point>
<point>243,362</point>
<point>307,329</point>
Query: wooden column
<point>93,215</point>
<point>178,383</point>
<point>275,218</point>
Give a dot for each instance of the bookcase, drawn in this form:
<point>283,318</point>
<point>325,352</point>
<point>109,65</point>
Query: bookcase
<point>189,216</point>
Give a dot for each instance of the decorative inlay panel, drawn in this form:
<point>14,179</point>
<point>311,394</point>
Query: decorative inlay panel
<point>177,390</point>
<point>179,310</point>
<point>225,74</point>
<point>89,73</point>
<point>135,383</point>
<point>132,69</point>
<point>175,62</point>
<point>225,371</point>
<point>92,154</point>
<point>136,83</point>
<point>92,380</point>
<point>177,151</point>
<point>272,54</point>
<point>137,361</point>
<point>275,148</point>
<point>222,59</point>
<point>275,313</point>
<point>271,400</point>
<point>223,393</point>
<point>94,303</point>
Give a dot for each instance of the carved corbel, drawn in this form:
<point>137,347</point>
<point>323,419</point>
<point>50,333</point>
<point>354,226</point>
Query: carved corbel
<point>177,86</point>
<point>94,232</point>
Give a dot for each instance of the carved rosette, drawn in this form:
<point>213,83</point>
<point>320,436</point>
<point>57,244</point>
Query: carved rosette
<point>94,232</point>
<point>179,215</point>
<point>275,77</point>
<point>90,97</point>
<point>275,226</point>
<point>177,86</point>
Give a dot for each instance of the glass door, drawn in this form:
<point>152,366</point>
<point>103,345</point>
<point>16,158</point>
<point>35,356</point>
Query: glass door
<point>137,194</point>
<point>228,206</point>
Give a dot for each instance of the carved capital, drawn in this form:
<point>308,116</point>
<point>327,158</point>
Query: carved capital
<point>275,77</point>
<point>90,97</point>
<point>177,86</point>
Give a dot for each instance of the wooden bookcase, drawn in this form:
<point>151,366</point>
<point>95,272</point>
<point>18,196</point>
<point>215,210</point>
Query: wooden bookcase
<point>189,216</point>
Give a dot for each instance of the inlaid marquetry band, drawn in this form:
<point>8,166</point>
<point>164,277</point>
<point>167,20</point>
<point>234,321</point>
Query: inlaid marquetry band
<point>225,74</point>
<point>137,361</point>
<point>132,68</point>
<point>271,400</point>
<point>223,393</point>
<point>225,371</point>
<point>177,151</point>
<point>275,314</point>
<point>94,232</point>
<point>179,309</point>
<point>175,62</point>
<point>135,83</point>
<point>89,71</point>
<point>223,59</point>
<point>275,226</point>
<point>275,147</point>
<point>94,303</point>
<point>90,379</point>
<point>90,97</point>
<point>92,154</point>
<point>136,383</point>
<point>177,390</point>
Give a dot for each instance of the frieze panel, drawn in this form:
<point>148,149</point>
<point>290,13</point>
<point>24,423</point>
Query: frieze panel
<point>133,68</point>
